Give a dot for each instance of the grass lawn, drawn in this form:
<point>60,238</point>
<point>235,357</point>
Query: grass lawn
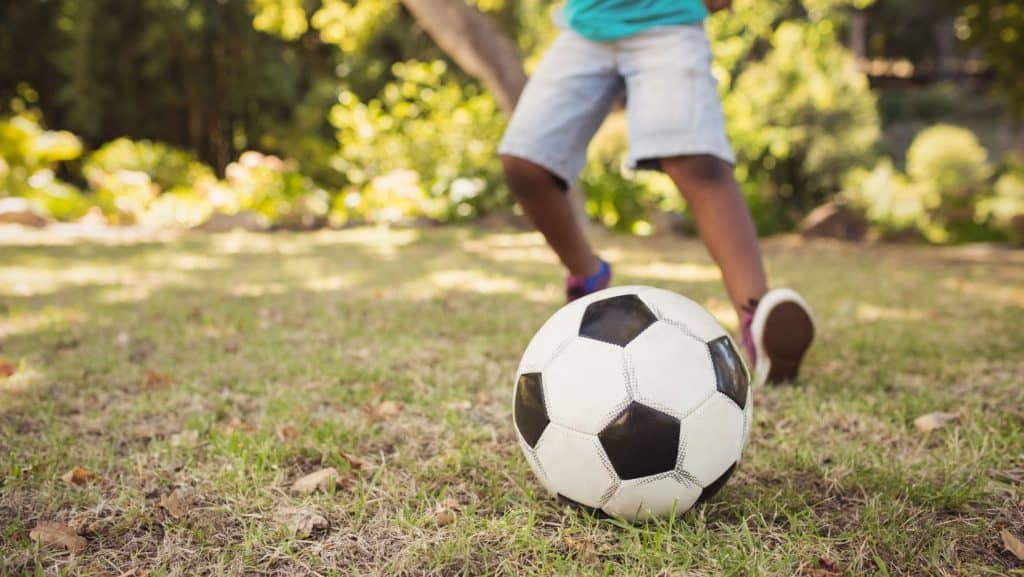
<point>199,377</point>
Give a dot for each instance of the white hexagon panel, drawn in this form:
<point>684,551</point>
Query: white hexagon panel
<point>575,464</point>
<point>585,385</point>
<point>562,325</point>
<point>531,459</point>
<point>642,499</point>
<point>684,312</point>
<point>672,371</point>
<point>713,437</point>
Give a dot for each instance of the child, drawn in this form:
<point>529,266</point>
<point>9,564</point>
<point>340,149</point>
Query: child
<point>656,51</point>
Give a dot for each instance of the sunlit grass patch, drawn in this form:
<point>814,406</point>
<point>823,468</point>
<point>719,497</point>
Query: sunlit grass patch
<point>200,376</point>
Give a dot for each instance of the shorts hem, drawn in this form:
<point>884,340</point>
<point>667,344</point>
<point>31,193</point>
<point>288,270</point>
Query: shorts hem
<point>678,146</point>
<point>548,162</point>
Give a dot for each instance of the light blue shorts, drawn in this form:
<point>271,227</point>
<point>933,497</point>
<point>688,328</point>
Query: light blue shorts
<point>672,104</point>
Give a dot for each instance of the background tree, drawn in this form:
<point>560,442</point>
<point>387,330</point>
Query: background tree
<point>994,29</point>
<point>381,103</point>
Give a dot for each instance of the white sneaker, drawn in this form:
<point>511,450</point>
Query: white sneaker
<point>782,330</point>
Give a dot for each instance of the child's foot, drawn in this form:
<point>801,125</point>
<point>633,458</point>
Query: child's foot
<point>777,331</point>
<point>581,286</point>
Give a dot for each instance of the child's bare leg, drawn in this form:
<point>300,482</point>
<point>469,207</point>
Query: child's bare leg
<point>547,205</point>
<point>724,222</point>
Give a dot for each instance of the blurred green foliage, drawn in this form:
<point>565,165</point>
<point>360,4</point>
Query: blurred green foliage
<point>359,117</point>
<point>29,159</point>
<point>798,112</point>
<point>446,132</point>
<point>926,104</point>
<point>947,193</point>
<point>799,119</point>
<point>166,166</point>
<point>1004,209</point>
<point>191,73</point>
<point>620,200</point>
<point>995,28</point>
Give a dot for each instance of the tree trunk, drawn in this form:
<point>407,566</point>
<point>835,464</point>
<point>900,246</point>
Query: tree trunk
<point>476,43</point>
<point>859,35</point>
<point>945,44</point>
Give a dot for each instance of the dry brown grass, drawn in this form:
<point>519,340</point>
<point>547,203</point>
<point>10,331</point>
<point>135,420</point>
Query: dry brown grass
<point>212,372</point>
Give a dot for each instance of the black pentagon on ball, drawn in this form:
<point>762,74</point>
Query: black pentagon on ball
<point>616,320</point>
<point>531,415</point>
<point>715,486</point>
<point>730,374</point>
<point>641,441</point>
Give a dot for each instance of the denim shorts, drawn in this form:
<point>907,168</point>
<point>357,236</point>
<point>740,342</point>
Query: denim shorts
<point>672,104</point>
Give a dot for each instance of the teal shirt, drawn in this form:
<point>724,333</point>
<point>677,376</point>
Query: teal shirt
<point>603,20</point>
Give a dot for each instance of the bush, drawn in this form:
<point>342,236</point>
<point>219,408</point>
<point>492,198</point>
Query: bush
<point>29,159</point>
<point>181,207</point>
<point>951,169</point>
<point>272,187</point>
<point>157,185</point>
<point>891,202</point>
<point>944,195</point>
<point>167,167</point>
<point>127,176</point>
<point>426,122</point>
<point>1004,210</point>
<point>390,198</point>
<point>618,198</point>
<point>799,120</point>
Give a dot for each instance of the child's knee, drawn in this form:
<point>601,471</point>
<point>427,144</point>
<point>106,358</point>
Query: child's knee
<point>525,177</point>
<point>700,168</point>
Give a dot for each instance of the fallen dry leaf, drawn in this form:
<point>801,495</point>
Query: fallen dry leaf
<point>932,421</point>
<point>383,410</point>
<point>236,425</point>
<point>287,432</point>
<point>171,503</point>
<point>6,369</point>
<point>357,463</point>
<point>78,476</point>
<point>444,517</point>
<point>156,380</point>
<point>58,535</point>
<point>583,547</point>
<point>301,522</point>
<point>445,511</point>
<point>825,568</point>
<point>1012,544</point>
<point>322,480</point>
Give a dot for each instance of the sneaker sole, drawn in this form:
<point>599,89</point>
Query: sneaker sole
<point>782,335</point>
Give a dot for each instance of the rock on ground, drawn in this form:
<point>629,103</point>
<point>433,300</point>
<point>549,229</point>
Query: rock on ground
<point>834,220</point>
<point>23,212</point>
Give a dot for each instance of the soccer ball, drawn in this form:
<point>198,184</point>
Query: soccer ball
<point>632,401</point>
